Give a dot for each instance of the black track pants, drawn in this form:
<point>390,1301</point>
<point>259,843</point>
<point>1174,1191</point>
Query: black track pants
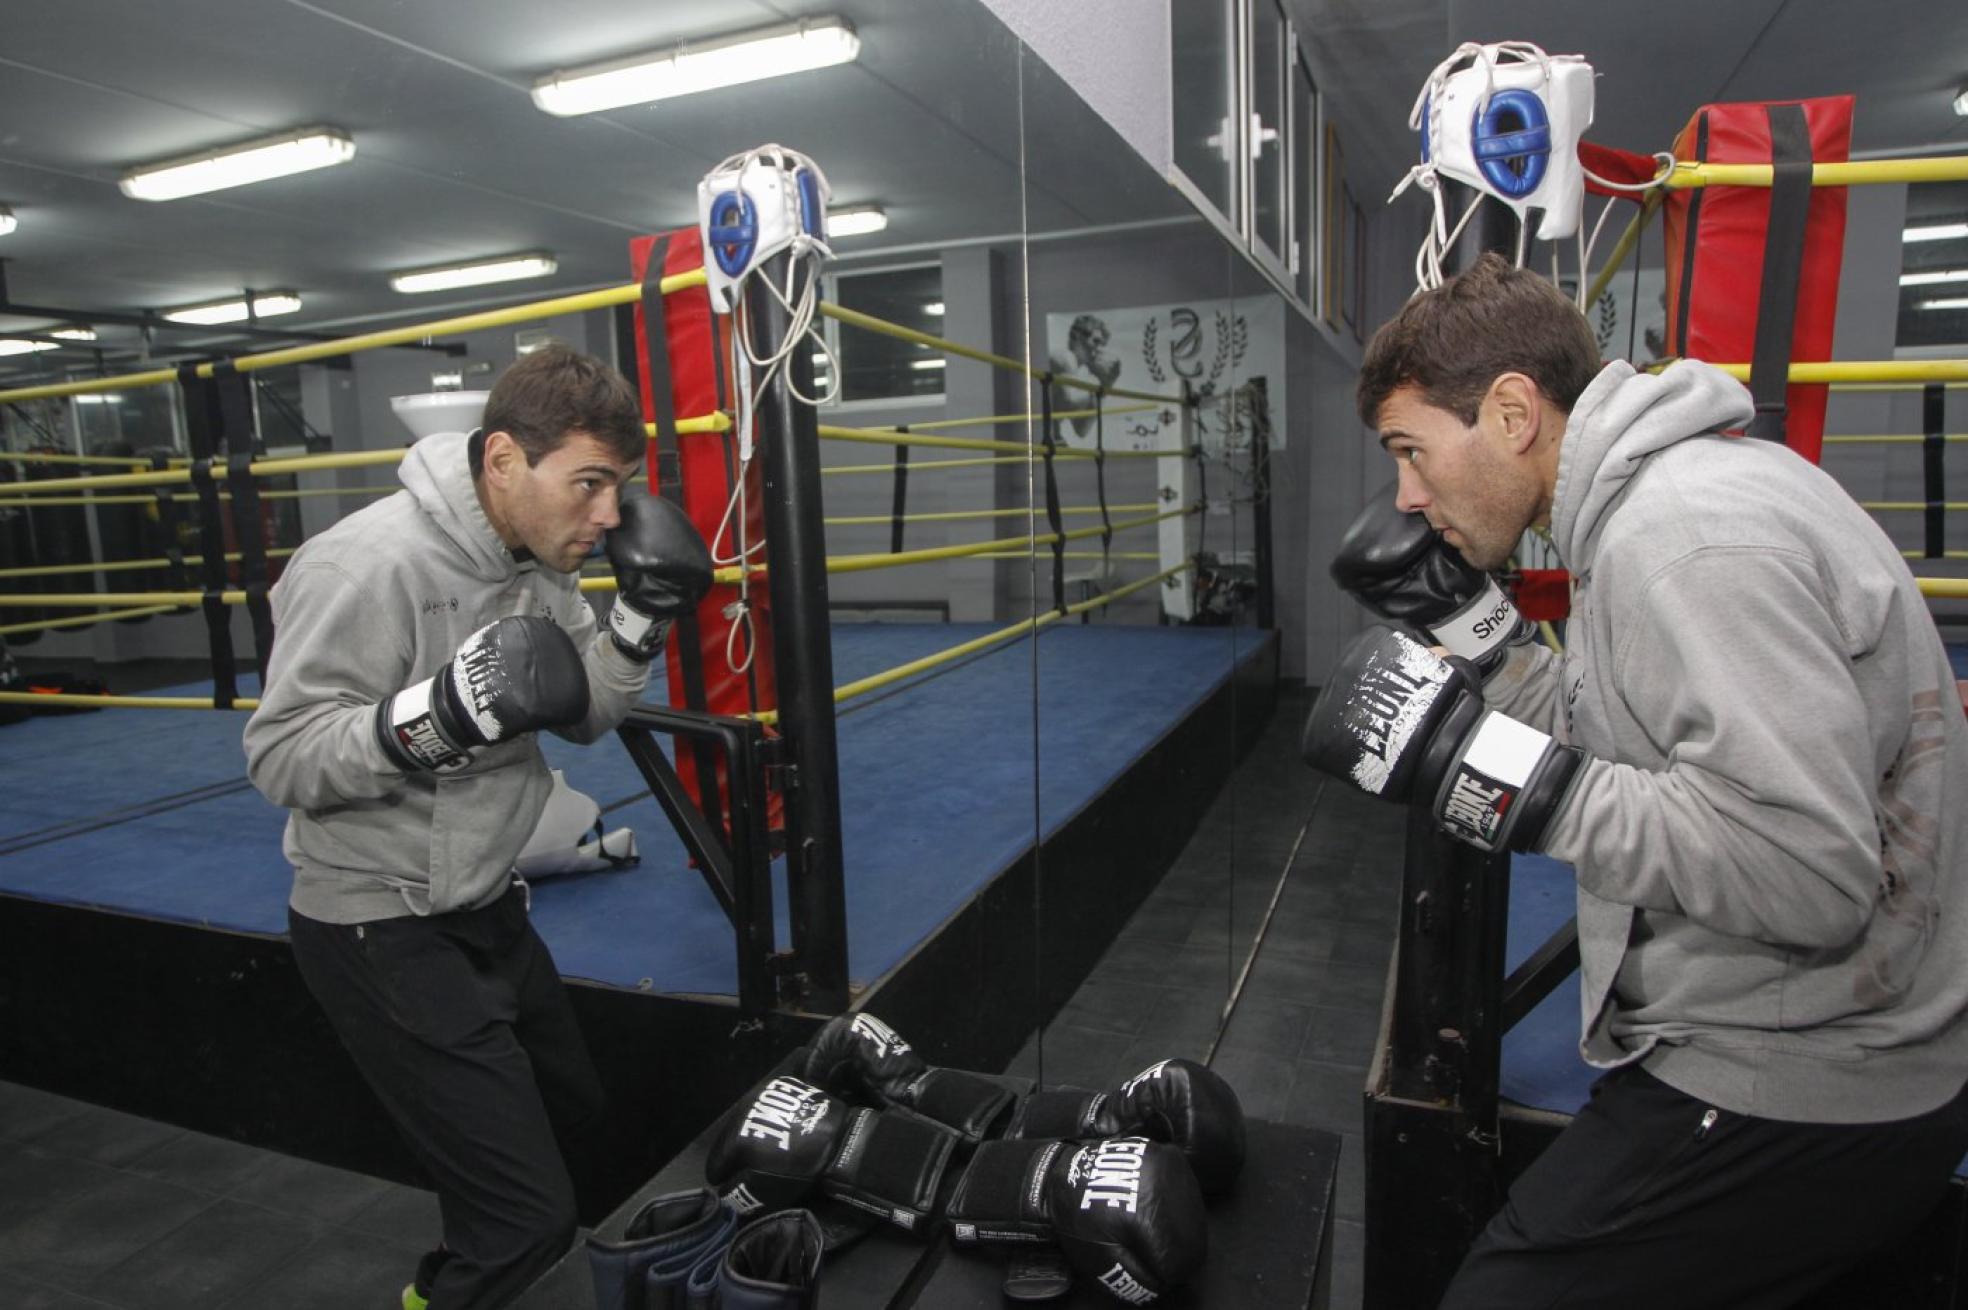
<point>461,1026</point>
<point>1651,1199</point>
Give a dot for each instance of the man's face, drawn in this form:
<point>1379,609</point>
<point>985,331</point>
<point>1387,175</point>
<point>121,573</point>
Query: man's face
<point>1462,478</point>
<point>560,508</point>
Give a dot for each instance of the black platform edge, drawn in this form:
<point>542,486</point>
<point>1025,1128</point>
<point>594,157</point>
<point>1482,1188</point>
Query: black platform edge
<point>1006,961</point>
<point>214,1031</point>
<point>1429,1192</point>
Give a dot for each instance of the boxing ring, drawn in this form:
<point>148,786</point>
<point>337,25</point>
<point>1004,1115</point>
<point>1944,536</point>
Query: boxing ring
<point>142,814</point>
<point>915,791</point>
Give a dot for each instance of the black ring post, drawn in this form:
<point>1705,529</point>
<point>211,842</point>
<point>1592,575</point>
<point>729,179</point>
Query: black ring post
<point>796,553</point>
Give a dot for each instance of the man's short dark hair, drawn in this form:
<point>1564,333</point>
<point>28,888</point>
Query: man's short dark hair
<point>1454,340</point>
<point>555,391</point>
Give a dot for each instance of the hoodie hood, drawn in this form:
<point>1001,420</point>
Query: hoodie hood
<point>437,473</point>
<point>1620,419</point>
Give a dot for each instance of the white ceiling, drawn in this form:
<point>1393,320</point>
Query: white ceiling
<point>454,161</point>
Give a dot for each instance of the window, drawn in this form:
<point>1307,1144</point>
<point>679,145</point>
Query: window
<point>1268,137</point>
<point>1934,255</point>
<point>878,367</point>
<point>1204,95</point>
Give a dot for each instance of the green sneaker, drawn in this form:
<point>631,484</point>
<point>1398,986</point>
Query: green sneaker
<point>416,1296</point>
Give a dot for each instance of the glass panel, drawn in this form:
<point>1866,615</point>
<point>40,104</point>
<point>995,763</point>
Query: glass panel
<point>1129,291</point>
<point>888,368</point>
<point>1268,138</point>
<point>1305,185</point>
<point>1934,305</point>
<point>1203,43</point>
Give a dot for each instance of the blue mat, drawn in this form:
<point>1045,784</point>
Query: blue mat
<point>937,787</point>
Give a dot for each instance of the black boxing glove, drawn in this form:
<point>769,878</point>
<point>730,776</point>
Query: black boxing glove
<point>860,1057</point>
<point>789,1139</point>
<point>667,1239</point>
<point>1177,1101</point>
<point>773,1264</point>
<point>662,569</point>
<point>1397,722</point>
<point>516,675</point>
<point>1393,563</point>
<point>1127,1213</point>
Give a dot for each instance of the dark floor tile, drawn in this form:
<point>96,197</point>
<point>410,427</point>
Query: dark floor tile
<point>1311,939</point>
<point>1159,963</point>
<point>1151,1050</point>
<point>1350,1194</point>
<point>73,1240</point>
<point>1262,1082</point>
<point>19,1294</point>
<point>103,1136</point>
<point>1365,943</point>
<point>1287,978</point>
<point>306,1190</point>
<point>210,1257</point>
<point>27,1111</point>
<point>1349,1263</point>
<point>32,1181</point>
<point>1114,1006</point>
<point>1161,923</point>
<point>1334,1036</point>
<point>1185,1024</point>
<point>1267,1026</point>
<point>1084,1057</point>
<point>1211,931</point>
<point>1352,986</point>
<point>201,1162</point>
<point>406,1214</point>
<point>340,1270</point>
<point>1329,1096</point>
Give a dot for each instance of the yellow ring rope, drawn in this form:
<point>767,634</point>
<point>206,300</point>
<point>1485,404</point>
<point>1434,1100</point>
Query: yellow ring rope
<point>1890,439</point>
<point>869,323</point>
<point>83,620</point>
<point>121,565</point>
<point>958,515</point>
<point>82,700</point>
<point>1859,172</point>
<point>574,304</point>
<point>876,681</point>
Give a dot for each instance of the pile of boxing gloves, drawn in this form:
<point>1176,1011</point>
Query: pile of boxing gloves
<point>1109,1186</point>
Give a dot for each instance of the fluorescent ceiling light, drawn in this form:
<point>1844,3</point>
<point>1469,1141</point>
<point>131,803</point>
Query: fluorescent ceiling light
<point>1961,102</point>
<point>16,346</point>
<point>446,277</point>
<point>99,398</point>
<point>934,309</point>
<point>925,363</point>
<point>1935,232</point>
<point>76,333</point>
<point>234,311</point>
<point>1936,275</point>
<point>7,221</point>
<point>1952,302</point>
<point>250,161</point>
<point>691,66</point>
<point>856,220</point>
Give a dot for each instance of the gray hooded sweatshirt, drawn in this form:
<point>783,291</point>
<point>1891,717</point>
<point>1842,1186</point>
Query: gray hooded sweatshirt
<point>376,603</point>
<point>1771,836</point>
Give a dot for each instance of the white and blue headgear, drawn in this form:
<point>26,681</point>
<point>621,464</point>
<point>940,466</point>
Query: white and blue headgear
<point>754,205</point>
<point>1506,118</point>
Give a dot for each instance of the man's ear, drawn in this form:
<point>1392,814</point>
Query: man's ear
<point>1517,407</point>
<point>503,458</point>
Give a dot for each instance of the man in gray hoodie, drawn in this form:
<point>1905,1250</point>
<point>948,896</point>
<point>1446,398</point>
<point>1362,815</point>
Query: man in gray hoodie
<point>423,643</point>
<point>1745,752</point>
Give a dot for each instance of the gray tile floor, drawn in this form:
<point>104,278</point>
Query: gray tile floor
<point>103,1209</point>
